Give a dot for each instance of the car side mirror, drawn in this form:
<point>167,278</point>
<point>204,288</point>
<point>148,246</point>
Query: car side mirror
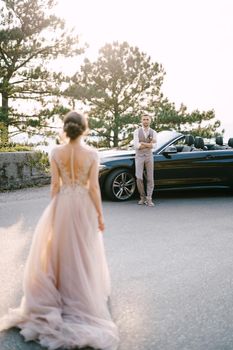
<point>169,150</point>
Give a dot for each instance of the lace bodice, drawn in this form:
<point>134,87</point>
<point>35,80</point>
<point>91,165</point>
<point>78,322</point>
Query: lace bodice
<point>69,168</point>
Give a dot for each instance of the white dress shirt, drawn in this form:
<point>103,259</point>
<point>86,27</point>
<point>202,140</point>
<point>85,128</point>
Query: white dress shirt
<point>146,133</point>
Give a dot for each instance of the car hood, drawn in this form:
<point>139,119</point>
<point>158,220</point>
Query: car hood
<point>115,153</point>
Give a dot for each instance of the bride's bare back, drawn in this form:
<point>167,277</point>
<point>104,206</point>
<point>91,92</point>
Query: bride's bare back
<point>74,164</point>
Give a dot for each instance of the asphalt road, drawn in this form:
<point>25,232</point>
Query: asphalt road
<point>171,268</point>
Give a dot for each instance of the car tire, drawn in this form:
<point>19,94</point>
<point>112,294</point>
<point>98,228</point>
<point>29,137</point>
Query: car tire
<point>120,185</point>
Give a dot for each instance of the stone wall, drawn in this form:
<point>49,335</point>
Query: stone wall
<point>21,169</point>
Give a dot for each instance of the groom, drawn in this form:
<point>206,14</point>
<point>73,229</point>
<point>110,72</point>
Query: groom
<point>144,143</point>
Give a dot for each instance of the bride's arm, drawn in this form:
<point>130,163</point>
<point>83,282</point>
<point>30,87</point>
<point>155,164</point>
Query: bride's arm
<point>55,178</point>
<point>94,190</point>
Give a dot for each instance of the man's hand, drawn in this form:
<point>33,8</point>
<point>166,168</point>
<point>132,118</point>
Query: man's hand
<point>141,146</point>
<point>146,145</point>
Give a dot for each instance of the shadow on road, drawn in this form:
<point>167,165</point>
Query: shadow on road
<point>197,193</point>
<point>183,194</point>
<point>12,339</point>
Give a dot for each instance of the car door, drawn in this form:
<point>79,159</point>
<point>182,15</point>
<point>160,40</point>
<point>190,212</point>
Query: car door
<point>184,169</point>
<point>219,165</point>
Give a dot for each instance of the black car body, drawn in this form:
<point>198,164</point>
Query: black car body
<point>174,168</point>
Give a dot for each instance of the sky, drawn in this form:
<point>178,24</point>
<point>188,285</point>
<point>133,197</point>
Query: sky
<point>192,39</point>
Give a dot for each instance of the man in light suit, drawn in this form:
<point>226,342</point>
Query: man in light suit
<point>145,140</point>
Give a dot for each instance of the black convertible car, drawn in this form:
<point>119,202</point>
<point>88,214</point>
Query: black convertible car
<point>180,162</point>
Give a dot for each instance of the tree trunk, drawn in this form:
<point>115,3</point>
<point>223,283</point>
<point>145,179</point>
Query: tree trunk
<point>115,138</point>
<point>116,128</point>
<point>4,119</point>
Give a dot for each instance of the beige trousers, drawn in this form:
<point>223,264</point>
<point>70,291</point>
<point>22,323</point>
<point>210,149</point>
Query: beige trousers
<point>146,161</point>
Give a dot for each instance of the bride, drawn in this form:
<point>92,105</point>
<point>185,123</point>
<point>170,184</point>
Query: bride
<point>66,281</point>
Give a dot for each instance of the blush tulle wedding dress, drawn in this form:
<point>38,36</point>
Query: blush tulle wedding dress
<point>66,281</point>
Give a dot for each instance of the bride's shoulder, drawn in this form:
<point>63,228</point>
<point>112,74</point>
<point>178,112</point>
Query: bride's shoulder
<point>57,150</point>
<point>92,152</point>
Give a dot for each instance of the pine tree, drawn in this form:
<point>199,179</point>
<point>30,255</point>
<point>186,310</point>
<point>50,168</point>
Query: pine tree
<point>116,88</point>
<point>31,37</point>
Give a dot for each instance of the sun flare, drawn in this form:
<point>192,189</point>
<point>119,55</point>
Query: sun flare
<point>180,35</point>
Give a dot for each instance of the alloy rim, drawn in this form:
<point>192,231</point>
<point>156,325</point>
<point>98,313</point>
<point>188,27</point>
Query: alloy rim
<point>124,186</point>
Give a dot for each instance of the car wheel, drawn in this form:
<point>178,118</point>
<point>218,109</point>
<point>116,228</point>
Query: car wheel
<point>120,185</point>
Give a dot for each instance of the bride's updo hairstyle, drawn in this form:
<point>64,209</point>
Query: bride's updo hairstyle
<point>74,125</point>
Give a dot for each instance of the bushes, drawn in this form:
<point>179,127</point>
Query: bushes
<point>14,147</point>
<point>40,161</point>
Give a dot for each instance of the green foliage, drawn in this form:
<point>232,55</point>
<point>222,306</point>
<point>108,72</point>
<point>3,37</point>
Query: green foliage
<point>121,85</point>
<point>198,123</point>
<point>31,37</point>
<point>12,147</point>
<point>117,88</point>
<point>40,161</point>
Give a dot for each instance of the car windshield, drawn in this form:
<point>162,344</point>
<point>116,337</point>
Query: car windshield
<point>164,137</point>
